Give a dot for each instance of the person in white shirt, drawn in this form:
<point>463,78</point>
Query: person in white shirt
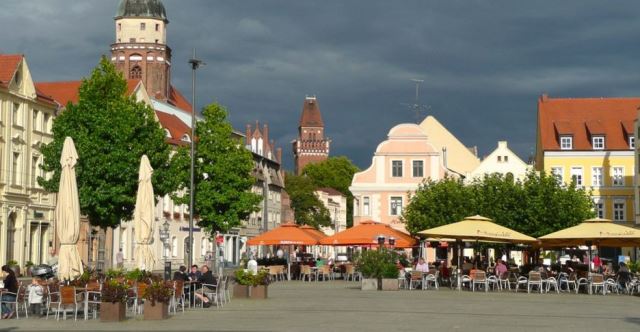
<point>422,266</point>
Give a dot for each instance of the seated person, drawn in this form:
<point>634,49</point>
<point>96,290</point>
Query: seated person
<point>422,266</point>
<point>194,274</point>
<point>444,270</point>
<point>181,274</point>
<point>205,278</point>
<point>320,262</point>
<point>466,266</point>
<point>500,268</point>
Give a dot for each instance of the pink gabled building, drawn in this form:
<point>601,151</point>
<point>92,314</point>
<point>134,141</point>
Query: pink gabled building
<point>399,165</point>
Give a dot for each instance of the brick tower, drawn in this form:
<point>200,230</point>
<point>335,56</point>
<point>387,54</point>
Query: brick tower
<point>141,51</point>
<point>311,145</point>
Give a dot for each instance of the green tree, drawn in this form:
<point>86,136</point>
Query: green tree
<point>307,208</point>
<point>223,180</point>
<point>536,206</point>
<point>336,173</point>
<point>111,132</point>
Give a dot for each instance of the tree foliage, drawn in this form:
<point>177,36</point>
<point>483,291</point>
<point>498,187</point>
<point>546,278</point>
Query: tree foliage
<point>111,132</point>
<point>223,180</point>
<point>336,173</point>
<point>307,207</point>
<point>536,206</point>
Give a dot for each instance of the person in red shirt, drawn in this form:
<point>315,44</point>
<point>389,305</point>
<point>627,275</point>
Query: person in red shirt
<point>597,264</point>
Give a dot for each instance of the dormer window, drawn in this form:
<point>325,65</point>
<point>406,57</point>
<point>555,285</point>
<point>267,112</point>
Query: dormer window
<point>186,138</point>
<point>566,142</point>
<point>632,142</point>
<point>167,133</point>
<point>597,142</point>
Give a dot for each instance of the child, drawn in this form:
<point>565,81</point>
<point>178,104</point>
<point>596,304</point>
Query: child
<point>35,296</point>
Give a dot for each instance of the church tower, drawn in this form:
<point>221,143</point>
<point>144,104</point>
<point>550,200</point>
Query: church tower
<point>140,50</point>
<point>311,145</point>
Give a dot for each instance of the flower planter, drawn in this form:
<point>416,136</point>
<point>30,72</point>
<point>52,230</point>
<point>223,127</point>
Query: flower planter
<point>240,291</point>
<point>156,312</point>
<point>390,284</point>
<point>112,312</point>
<point>369,284</point>
<point>258,292</point>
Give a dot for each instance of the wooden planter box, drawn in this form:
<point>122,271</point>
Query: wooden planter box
<point>156,312</point>
<point>258,292</point>
<point>240,291</point>
<point>369,284</point>
<point>112,312</point>
<point>390,284</point>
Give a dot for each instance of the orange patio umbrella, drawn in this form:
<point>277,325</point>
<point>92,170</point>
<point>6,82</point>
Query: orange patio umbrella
<point>366,234</point>
<point>284,235</point>
<point>314,232</point>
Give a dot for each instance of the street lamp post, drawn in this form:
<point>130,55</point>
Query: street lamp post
<point>195,64</point>
<point>164,237</point>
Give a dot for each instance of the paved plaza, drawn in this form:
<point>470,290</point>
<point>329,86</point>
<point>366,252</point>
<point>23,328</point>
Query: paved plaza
<point>341,306</point>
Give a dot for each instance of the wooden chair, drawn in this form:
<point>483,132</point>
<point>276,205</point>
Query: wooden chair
<point>305,272</point>
<point>535,279</point>
<point>67,299</point>
<point>350,272</point>
<point>324,272</point>
<point>416,278</point>
<point>53,297</point>
<point>480,279</point>
<point>178,297</point>
<point>93,297</point>
<point>139,300</point>
<point>503,280</point>
<point>596,281</point>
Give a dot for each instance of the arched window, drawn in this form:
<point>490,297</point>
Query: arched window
<point>254,145</point>
<point>136,73</point>
<point>186,138</point>
<point>174,247</point>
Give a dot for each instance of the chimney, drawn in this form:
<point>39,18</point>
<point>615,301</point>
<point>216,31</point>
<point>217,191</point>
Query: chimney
<point>265,132</point>
<point>248,132</point>
<point>544,97</point>
<point>444,157</point>
<point>279,155</point>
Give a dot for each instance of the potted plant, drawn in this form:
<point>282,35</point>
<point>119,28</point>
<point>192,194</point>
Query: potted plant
<point>378,268</point>
<point>13,264</point>
<point>27,266</point>
<point>249,285</point>
<point>157,297</point>
<point>113,300</point>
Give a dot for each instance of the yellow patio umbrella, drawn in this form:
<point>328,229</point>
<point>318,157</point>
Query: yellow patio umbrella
<point>476,228</point>
<point>597,231</point>
<point>143,217</point>
<point>68,215</point>
<point>602,232</point>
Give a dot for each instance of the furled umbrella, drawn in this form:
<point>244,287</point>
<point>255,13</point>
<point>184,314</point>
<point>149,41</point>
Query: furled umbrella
<point>68,215</point>
<point>143,217</point>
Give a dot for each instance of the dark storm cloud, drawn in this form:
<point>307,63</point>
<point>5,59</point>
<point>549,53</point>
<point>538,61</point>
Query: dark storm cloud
<point>484,62</point>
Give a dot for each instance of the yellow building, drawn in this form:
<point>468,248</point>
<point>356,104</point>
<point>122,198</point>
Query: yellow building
<point>591,141</point>
<point>26,117</point>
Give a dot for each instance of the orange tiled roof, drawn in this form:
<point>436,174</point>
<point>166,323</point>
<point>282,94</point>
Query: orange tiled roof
<point>583,117</point>
<point>8,66</point>
<point>174,125</point>
<point>178,100</point>
<point>69,91</point>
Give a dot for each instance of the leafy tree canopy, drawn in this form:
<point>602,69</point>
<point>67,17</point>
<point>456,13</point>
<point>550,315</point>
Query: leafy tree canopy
<point>536,206</point>
<point>111,132</point>
<point>336,173</point>
<point>223,180</point>
<point>307,208</point>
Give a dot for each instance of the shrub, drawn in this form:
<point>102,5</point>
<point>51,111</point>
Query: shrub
<point>159,291</point>
<point>377,263</point>
<point>247,278</point>
<point>114,291</point>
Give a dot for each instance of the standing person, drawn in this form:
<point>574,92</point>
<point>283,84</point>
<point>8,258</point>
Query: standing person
<point>11,285</point>
<point>120,259</point>
<point>597,264</point>
<point>35,296</point>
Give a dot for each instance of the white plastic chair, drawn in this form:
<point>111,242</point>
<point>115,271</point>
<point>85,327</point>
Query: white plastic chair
<point>552,282</point>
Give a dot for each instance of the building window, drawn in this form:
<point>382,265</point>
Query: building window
<point>499,159</point>
<point>15,170</point>
<point>132,40</point>
<point>366,207</point>
<point>174,247</point>
<point>16,114</point>
<point>136,72</point>
<point>396,168</point>
<point>396,206</point>
<point>143,26</point>
<point>418,168</point>
<point>618,176</point>
<point>632,142</point>
<point>596,176</point>
<point>157,28</point>
<point>506,159</point>
<point>566,143</point>
<point>576,176</point>
<point>46,125</point>
<point>36,124</point>
<point>597,142</point>
<point>34,171</point>
<point>598,207</point>
<point>618,211</point>
<point>556,172</point>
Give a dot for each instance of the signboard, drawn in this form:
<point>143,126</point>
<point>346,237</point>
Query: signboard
<point>167,270</point>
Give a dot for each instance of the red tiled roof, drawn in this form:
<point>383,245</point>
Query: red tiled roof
<point>178,100</point>
<point>579,116</point>
<point>331,191</point>
<point>8,66</point>
<point>627,126</point>
<point>311,116</point>
<point>69,91</point>
<point>176,127</point>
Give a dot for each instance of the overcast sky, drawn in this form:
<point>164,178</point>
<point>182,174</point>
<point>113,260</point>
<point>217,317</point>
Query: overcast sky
<point>484,63</point>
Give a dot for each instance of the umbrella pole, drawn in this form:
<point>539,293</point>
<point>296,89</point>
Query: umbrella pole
<point>589,243</point>
<point>458,268</point>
